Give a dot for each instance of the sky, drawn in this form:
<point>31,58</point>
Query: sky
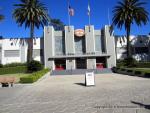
<point>58,9</point>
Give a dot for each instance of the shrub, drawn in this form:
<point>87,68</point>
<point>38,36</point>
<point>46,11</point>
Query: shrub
<point>138,72</point>
<point>129,62</point>
<point>122,69</point>
<point>34,66</point>
<point>13,70</point>
<point>14,64</point>
<point>1,65</point>
<point>34,76</point>
<point>114,69</point>
<point>129,71</point>
<point>143,65</point>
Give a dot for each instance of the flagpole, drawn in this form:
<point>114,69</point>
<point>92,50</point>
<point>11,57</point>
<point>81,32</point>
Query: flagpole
<point>89,20</point>
<point>108,17</point>
<point>89,14</point>
<point>68,16</point>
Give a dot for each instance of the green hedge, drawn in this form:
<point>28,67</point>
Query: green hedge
<point>143,65</point>
<point>12,65</point>
<point>133,71</point>
<point>137,65</point>
<point>13,70</point>
<point>34,76</point>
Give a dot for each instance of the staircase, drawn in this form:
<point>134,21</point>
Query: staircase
<point>80,71</point>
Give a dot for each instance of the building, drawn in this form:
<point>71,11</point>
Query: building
<point>15,50</point>
<point>79,49</point>
<point>140,47</point>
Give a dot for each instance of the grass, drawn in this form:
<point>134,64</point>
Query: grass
<point>17,76</point>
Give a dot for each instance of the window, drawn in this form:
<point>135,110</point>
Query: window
<point>97,43</point>
<point>59,45</point>
<point>11,53</point>
<point>79,45</point>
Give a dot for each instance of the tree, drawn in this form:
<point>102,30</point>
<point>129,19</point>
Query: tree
<point>57,24</point>
<point>31,13</point>
<point>125,13</point>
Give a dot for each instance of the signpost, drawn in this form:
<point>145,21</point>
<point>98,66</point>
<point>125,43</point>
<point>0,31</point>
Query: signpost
<point>89,79</point>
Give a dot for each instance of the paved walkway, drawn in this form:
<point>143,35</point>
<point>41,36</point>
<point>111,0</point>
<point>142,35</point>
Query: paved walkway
<point>113,93</point>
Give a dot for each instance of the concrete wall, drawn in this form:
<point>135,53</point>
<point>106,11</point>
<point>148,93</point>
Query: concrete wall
<point>91,63</point>
<point>49,47</point>
<point>110,48</point>
<point>70,64</point>
<point>90,46</point>
<point>69,46</point>
<point>16,45</point>
<point>69,40</point>
<point>89,39</point>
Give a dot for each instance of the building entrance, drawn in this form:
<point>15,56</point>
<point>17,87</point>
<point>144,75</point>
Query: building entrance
<point>100,62</point>
<point>60,64</point>
<point>81,63</point>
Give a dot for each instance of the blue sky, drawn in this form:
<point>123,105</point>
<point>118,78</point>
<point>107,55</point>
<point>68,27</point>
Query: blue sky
<point>58,9</point>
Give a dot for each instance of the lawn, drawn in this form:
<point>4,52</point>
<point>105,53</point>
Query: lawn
<point>17,76</point>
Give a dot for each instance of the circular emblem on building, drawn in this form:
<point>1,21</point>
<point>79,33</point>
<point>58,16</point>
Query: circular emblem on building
<point>79,32</point>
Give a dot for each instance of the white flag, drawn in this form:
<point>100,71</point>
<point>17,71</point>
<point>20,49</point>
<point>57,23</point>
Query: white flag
<point>89,10</point>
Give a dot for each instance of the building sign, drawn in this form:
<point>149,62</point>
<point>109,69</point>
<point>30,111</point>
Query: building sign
<point>89,79</point>
<point>79,32</point>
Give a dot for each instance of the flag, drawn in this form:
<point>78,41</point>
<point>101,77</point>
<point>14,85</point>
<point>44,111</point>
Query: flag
<point>71,11</point>
<point>89,10</point>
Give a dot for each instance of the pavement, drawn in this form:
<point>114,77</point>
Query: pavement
<point>113,93</point>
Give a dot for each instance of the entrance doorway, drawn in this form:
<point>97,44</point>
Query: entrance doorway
<point>81,63</point>
<point>100,62</point>
<point>60,64</point>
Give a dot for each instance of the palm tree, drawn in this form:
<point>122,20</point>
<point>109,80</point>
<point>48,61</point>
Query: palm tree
<point>125,13</point>
<point>31,13</point>
<point>57,24</point>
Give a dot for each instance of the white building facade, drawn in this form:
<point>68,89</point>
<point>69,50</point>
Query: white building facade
<point>15,50</point>
<point>140,47</point>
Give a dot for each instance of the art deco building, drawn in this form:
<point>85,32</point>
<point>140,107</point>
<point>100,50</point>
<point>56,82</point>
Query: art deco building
<point>79,49</point>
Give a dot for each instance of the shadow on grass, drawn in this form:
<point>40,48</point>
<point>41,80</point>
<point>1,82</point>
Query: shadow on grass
<point>81,84</point>
<point>141,105</point>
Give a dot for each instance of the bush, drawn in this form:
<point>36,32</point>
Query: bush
<point>143,65</point>
<point>129,71</point>
<point>128,62</point>
<point>34,66</point>
<point>114,69</point>
<point>13,70</point>
<point>1,65</point>
<point>137,72</point>
<point>122,69</point>
<point>14,64</point>
<point>34,76</point>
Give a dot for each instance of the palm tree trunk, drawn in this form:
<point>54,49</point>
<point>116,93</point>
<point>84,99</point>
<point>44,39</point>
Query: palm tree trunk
<point>30,44</point>
<point>128,43</point>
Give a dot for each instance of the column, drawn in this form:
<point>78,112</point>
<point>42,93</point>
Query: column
<point>69,46</point>
<point>49,47</point>
<point>90,46</point>
<point>110,48</point>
